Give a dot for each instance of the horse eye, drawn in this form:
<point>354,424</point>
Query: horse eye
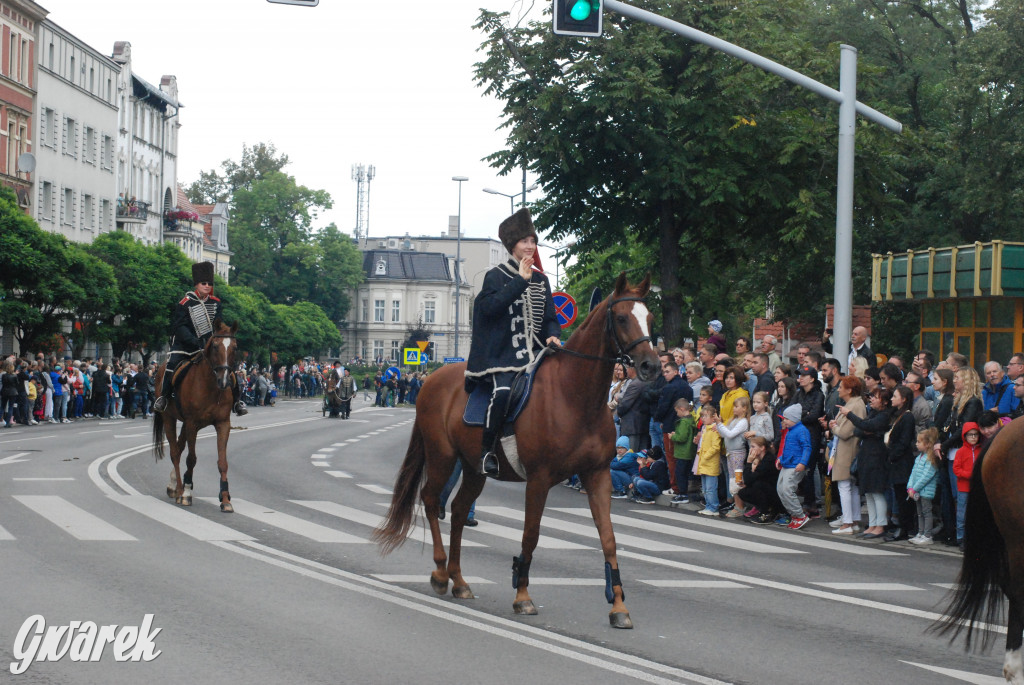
<point>621,319</point>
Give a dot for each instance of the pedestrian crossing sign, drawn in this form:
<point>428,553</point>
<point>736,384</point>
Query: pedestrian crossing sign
<point>412,356</point>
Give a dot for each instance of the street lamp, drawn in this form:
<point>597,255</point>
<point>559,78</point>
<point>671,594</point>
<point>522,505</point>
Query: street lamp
<point>458,262</point>
<point>511,198</point>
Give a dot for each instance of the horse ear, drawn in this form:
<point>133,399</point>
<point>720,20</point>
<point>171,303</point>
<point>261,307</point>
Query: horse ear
<point>620,283</point>
<point>645,285</point>
<point>595,298</point>
<point>217,323</point>
<point>234,328</point>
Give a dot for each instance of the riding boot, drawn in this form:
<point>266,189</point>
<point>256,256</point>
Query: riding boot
<point>165,391</point>
<point>239,407</point>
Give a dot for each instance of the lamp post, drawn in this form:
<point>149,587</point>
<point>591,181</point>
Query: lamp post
<point>512,197</point>
<point>458,262</point>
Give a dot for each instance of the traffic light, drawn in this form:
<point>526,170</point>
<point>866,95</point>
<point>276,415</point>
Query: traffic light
<point>578,17</point>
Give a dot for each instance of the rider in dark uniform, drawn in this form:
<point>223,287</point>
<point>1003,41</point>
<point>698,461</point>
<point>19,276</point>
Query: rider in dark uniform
<point>191,328</point>
<point>513,319</point>
<point>333,394</point>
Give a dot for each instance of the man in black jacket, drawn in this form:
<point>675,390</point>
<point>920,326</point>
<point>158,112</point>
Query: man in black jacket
<point>675,388</point>
<point>812,406</point>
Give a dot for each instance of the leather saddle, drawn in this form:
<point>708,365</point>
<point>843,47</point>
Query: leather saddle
<point>522,385</point>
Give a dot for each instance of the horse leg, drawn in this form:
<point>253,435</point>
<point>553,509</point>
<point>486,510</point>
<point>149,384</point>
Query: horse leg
<point>472,486</point>
<point>223,431</point>
<point>174,486</point>
<point>1013,664</point>
<point>438,471</point>
<point>599,490</point>
<point>188,436</point>
<point>536,496</point>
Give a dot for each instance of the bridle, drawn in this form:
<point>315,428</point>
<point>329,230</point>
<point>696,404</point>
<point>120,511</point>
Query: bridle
<point>621,351</point>
<point>219,367</point>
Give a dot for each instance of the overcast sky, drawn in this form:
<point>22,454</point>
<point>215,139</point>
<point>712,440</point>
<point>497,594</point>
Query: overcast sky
<point>382,83</point>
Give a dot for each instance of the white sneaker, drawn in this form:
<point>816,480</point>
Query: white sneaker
<point>34,422</point>
<point>924,540</point>
<point>669,492</point>
<point>65,421</point>
<point>836,523</point>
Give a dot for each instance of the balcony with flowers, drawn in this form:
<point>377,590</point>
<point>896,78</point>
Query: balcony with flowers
<point>184,228</point>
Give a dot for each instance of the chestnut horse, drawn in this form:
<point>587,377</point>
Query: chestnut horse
<point>205,397</point>
<point>565,429</point>
<point>993,563</point>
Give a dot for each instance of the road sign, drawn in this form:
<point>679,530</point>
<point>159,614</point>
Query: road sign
<point>412,356</point>
<point>453,360</point>
<point>422,344</point>
<point>565,308</point>
<point>392,372</point>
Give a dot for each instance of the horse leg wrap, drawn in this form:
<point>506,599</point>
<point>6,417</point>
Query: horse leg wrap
<point>187,479</point>
<point>520,570</point>
<point>224,489</point>
<point>612,580</point>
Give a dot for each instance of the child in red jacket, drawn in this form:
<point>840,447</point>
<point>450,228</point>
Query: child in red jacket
<point>963,467</point>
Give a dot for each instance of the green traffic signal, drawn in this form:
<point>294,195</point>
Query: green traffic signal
<point>579,9</point>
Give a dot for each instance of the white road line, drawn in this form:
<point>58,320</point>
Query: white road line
<point>798,539</point>
<point>352,440</point>
<point>73,520</point>
<point>338,474</point>
<point>588,531</point>
<point>946,586</point>
<point>962,676</point>
<point>179,519</point>
<point>570,582</point>
<point>339,444</point>
<point>360,437</point>
<point>4,535</point>
<point>365,518</point>
<point>375,489</point>
<point>692,584</point>
<point>14,458</point>
<point>45,479</point>
<point>320,455</point>
<point>422,578</point>
<point>567,647</point>
<point>516,535</point>
<point>880,587</point>
<point>321,464</point>
<point>681,532</point>
<point>292,524</point>
<point>796,589</point>
<point>326,449</point>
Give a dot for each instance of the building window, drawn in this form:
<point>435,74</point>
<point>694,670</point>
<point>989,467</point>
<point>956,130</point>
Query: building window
<point>378,311</point>
<point>378,349</point>
<point>362,349</point>
<point>106,224</point>
<point>71,76</point>
<point>70,139</point>
<point>24,61</point>
<point>50,58</point>
<point>88,221</point>
<point>429,310</point>
<point>89,153</point>
<point>12,145</point>
<point>107,153</point>
<point>67,208</point>
<point>46,201</point>
<point>48,128</point>
<point>396,311</point>
<point>396,349</point>
<point>12,55</point>
<point>366,309</point>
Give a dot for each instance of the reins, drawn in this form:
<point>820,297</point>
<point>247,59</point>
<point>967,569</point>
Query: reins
<point>219,367</point>
<point>622,352</point>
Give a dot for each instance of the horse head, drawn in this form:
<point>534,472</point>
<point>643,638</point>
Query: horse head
<point>629,325</point>
<point>220,352</point>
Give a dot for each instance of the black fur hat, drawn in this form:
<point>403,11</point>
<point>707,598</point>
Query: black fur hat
<point>515,228</point>
<point>202,272</point>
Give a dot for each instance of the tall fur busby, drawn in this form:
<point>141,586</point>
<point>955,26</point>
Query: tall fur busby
<point>515,228</point>
<point>202,272</point>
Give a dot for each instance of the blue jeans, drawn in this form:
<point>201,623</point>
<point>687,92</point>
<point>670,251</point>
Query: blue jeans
<point>645,488</point>
<point>446,491</point>
<point>709,486</point>
<point>961,512</point>
<point>620,480</point>
<point>655,431</point>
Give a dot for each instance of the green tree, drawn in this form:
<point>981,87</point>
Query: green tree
<point>98,300</point>
<point>251,310</point>
<point>256,163</point>
<point>300,330</point>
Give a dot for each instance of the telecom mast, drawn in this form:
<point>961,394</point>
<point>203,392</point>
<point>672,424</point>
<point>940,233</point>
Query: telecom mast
<point>362,175</point>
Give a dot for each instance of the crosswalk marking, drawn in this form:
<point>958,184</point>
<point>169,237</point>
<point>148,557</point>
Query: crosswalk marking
<point>352,440</point>
<point>693,584</point>
<point>424,578</point>
<point>4,535</point>
<point>571,582</point>
<point>64,478</point>
<point>375,489</point>
<point>365,518</point>
<point>320,456</point>
<point>776,535</point>
<point>326,449</point>
<point>590,531</point>
<point>881,587</point>
<point>292,524</point>
<point>73,520</point>
<point>681,532</point>
<point>338,474</point>
<point>544,542</point>
<point>181,520</point>
<point>338,444</point>
<point>322,464</point>
<point>946,586</point>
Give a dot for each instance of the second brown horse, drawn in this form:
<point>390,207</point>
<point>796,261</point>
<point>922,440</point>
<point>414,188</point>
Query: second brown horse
<point>565,429</point>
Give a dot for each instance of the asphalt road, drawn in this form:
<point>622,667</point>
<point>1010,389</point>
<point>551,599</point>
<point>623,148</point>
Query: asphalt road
<point>289,589</point>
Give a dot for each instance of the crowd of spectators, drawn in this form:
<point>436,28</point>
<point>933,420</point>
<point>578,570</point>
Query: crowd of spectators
<point>747,435</point>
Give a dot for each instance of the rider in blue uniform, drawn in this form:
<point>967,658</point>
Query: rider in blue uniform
<point>513,319</point>
<point>191,328</point>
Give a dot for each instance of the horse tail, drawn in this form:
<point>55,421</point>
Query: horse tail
<point>978,596</point>
<point>392,532</point>
<point>158,435</point>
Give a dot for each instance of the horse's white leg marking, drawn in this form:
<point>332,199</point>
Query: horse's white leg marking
<point>640,313</point>
<point>1013,667</point>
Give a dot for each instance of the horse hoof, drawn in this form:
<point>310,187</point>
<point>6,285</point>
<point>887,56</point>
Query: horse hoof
<point>184,501</point>
<point>525,608</point>
<point>171,491</point>
<point>462,592</point>
<point>227,508</point>
<point>440,588</point>
<point>620,619</point>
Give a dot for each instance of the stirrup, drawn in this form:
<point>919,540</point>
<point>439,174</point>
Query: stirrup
<point>160,404</point>
<point>240,409</point>
<point>490,464</point>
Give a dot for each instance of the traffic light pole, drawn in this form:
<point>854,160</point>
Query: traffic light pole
<point>849,108</point>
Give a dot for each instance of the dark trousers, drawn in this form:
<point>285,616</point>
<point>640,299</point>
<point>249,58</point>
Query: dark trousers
<point>947,503</point>
<point>501,388</point>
